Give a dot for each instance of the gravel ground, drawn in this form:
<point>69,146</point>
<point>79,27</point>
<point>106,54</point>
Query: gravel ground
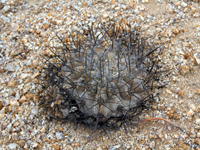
<point>27,29</point>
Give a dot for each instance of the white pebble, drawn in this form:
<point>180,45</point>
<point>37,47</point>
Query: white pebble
<point>190,113</point>
<point>193,107</point>
<point>14,103</point>
<point>10,67</point>
<point>6,9</point>
<point>59,135</point>
<point>12,146</point>
<point>198,121</point>
<point>183,4</point>
<point>136,11</point>
<point>34,111</point>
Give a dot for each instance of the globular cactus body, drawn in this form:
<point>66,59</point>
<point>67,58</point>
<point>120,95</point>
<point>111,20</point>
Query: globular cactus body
<point>105,73</point>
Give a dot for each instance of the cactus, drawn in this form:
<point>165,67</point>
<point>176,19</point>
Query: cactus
<point>103,76</point>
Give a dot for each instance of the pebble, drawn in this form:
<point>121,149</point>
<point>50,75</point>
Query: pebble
<point>198,121</point>
<point>1,5</point>
<point>190,113</point>
<point>183,4</point>
<point>13,146</point>
<point>198,91</point>
<point>175,30</point>
<point>193,107</point>
<point>6,9</point>
<point>10,67</point>
<point>198,134</point>
<point>197,57</point>
<point>34,111</point>
<point>14,26</point>
<point>14,103</point>
<point>1,105</point>
<point>180,93</point>
<point>56,147</point>
<point>59,135</point>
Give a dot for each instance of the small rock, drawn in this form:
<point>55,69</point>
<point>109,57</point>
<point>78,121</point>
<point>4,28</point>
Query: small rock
<point>43,130</point>
<point>77,144</point>
<point>136,11</point>
<point>16,52</point>
<point>59,22</point>
<point>59,135</point>
<point>184,69</point>
<point>10,67</point>
<point>197,141</point>
<point>198,91</point>
<point>12,146</point>
<point>198,134</point>
<point>190,113</point>
<point>175,30</point>
<point>180,93</point>
<point>1,69</point>
<point>56,147</point>
<point>22,99</point>
<point>35,145</point>
<point>2,116</point>
<point>197,58</point>
<point>1,5</point>
<point>45,26</point>
<point>105,15</point>
<point>16,124</point>
<point>193,107</point>
<point>160,135</point>
<point>14,103</point>
<point>198,121</point>
<point>12,84</point>
<point>1,105</point>
<point>34,111</point>
<point>152,136</point>
<point>6,9</point>
<point>14,27</point>
<point>123,7</point>
<point>36,75</point>
<point>183,4</point>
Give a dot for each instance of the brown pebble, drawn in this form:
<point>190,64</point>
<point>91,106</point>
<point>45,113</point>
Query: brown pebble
<point>184,70</point>
<point>175,30</point>
<point>160,135</point>
<point>7,32</point>
<point>77,144</point>
<point>60,128</point>
<point>1,105</point>
<point>187,55</point>
<point>131,5</point>
<point>176,116</point>
<point>190,113</point>
<point>56,146</point>
<point>16,124</point>
<point>36,75</point>
<point>170,113</point>
<point>198,91</point>
<point>180,93</point>
<point>45,26</point>
<point>12,84</point>
<point>1,69</point>
<point>22,100</point>
<point>197,141</point>
<point>112,2</point>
